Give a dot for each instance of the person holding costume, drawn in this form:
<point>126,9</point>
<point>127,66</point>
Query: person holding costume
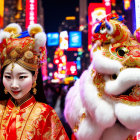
<point>22,117</point>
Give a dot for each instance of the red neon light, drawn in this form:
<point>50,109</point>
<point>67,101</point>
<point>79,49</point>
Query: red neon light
<point>31,12</point>
<point>107,4</point>
<point>71,68</point>
<point>56,61</point>
<point>44,71</point>
<point>113,2</point>
<point>72,49</point>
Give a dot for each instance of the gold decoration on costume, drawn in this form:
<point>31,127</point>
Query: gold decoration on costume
<point>11,30</point>
<point>5,91</point>
<point>120,31</point>
<point>93,71</point>
<point>122,47</point>
<point>34,89</point>
<point>82,117</point>
<point>14,54</point>
<point>23,49</point>
<point>35,31</point>
<point>123,68</point>
<point>12,66</point>
<point>99,82</point>
<point>18,49</point>
<point>34,84</point>
<point>28,55</point>
<point>130,62</point>
<point>130,137</point>
<point>4,52</point>
<point>137,60</point>
<point>27,65</point>
<point>136,92</point>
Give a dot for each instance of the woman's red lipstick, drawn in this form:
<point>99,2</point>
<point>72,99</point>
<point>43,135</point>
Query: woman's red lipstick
<point>15,92</point>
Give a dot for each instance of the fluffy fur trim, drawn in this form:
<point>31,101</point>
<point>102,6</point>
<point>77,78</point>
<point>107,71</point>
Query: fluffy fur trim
<point>10,29</point>
<point>40,40</point>
<point>105,65</point>
<point>4,35</point>
<point>100,110</point>
<point>36,31</point>
<point>73,105</point>
<point>126,79</point>
<point>89,130</point>
<point>94,47</point>
<point>129,116</point>
<point>117,132</point>
<point>13,27</point>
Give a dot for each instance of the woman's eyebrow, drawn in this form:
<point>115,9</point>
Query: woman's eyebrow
<point>22,72</point>
<point>7,72</point>
<point>18,73</point>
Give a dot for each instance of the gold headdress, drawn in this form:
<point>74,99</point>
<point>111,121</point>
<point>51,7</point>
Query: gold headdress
<point>26,48</point>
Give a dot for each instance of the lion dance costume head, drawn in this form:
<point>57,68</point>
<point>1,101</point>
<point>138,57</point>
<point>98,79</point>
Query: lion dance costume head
<point>104,104</point>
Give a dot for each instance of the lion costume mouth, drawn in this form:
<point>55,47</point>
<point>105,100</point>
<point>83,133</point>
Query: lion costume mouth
<point>130,96</point>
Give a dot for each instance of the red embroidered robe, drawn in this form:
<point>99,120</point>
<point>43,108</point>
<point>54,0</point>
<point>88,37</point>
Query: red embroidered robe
<point>30,121</point>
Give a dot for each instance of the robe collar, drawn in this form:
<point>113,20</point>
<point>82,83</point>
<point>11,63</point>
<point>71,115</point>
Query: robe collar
<point>24,105</point>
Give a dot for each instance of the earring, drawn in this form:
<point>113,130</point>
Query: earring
<point>5,91</point>
<point>34,89</point>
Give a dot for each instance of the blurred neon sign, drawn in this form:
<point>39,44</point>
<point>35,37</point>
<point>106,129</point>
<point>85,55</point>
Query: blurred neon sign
<point>53,39</point>
<point>137,11</point>
<point>71,68</point>
<point>1,13</point>
<point>127,4</point>
<point>63,40</point>
<point>75,39</point>
<point>31,12</point>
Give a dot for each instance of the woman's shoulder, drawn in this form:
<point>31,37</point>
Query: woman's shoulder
<point>44,105</point>
<point>44,108</point>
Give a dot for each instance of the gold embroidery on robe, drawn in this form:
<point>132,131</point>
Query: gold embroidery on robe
<point>34,121</point>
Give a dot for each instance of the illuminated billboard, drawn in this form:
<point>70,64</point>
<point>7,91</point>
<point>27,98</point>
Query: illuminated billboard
<point>63,43</point>
<point>71,68</point>
<point>53,39</point>
<point>75,39</point>
<point>96,12</point>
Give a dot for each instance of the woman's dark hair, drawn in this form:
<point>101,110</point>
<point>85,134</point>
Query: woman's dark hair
<point>3,96</point>
<point>40,96</point>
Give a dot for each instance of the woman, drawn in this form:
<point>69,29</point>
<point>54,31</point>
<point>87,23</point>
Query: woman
<point>22,117</point>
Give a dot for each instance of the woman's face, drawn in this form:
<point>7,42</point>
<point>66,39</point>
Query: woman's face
<point>18,81</point>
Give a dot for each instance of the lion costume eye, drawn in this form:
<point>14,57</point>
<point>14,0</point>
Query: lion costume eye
<point>114,76</point>
<point>122,51</point>
<point>103,30</point>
